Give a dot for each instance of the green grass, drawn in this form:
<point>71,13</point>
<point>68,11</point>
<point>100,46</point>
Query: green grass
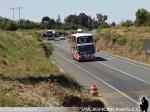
<point>23,54</point>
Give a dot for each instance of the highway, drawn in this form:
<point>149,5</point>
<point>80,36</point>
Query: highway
<point>120,83</point>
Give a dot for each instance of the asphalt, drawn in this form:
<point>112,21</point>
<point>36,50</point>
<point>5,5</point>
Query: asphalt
<point>121,83</point>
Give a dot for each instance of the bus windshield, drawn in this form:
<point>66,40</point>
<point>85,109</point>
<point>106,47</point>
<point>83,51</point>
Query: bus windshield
<point>86,49</point>
<point>85,39</point>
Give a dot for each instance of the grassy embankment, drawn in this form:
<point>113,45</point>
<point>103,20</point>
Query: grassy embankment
<point>29,78</point>
<point>124,41</point>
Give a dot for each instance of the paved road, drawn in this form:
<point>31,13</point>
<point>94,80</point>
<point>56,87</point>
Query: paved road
<point>120,82</point>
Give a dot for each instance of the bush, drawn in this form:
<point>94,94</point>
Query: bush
<point>103,25</point>
<point>122,40</point>
<point>135,43</point>
<point>10,26</point>
<point>48,49</point>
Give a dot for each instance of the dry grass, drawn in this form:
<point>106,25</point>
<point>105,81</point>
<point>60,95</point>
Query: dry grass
<point>124,41</point>
<point>131,32</point>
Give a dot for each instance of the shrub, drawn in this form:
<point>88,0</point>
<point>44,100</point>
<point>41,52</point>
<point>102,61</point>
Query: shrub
<point>122,40</point>
<point>48,49</point>
<point>10,26</point>
<point>135,43</point>
<point>103,25</point>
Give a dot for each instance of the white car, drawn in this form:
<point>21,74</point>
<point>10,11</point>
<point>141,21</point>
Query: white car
<point>62,38</point>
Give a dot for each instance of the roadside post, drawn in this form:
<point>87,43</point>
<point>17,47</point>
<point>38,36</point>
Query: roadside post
<point>146,47</point>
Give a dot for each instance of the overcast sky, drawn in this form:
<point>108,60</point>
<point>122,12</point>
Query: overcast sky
<point>117,10</point>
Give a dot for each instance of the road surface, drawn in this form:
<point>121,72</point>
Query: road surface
<point>120,83</point>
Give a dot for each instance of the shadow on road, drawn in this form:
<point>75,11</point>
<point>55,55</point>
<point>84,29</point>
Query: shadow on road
<point>100,59</point>
<point>97,59</point>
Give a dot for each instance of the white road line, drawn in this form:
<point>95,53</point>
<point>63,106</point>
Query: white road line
<point>115,69</point>
<point>125,73</point>
<point>98,78</point>
<point>124,60</point>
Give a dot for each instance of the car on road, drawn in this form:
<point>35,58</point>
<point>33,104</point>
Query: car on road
<point>62,37</point>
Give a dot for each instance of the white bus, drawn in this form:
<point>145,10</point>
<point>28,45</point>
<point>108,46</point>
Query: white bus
<point>82,46</point>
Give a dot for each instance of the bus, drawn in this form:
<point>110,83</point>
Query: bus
<point>82,46</point>
<point>50,34</point>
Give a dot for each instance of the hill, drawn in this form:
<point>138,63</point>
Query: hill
<point>124,41</point>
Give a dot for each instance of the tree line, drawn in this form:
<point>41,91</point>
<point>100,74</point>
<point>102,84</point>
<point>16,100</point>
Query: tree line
<point>142,19</point>
<point>73,21</point>
<point>7,24</point>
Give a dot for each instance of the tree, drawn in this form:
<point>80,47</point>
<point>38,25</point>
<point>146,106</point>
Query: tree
<point>51,24</point>
<point>100,19</point>
<point>58,22</point>
<point>82,20</point>
<point>45,21</point>
<point>148,19</point>
<point>85,21</point>
<point>3,23</point>
<point>71,19</point>
<point>46,18</point>
<point>141,17</point>
<point>48,23</point>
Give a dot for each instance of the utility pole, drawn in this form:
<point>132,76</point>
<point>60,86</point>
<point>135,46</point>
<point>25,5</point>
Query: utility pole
<point>17,8</point>
<point>13,12</point>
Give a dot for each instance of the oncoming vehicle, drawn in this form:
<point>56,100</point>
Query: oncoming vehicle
<point>62,37</point>
<point>82,46</point>
<point>50,35</point>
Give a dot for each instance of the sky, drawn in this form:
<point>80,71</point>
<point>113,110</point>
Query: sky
<point>117,10</point>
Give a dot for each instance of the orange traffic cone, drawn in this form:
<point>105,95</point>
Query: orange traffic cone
<point>94,90</point>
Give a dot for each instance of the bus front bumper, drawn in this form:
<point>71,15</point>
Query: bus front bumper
<point>86,58</point>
